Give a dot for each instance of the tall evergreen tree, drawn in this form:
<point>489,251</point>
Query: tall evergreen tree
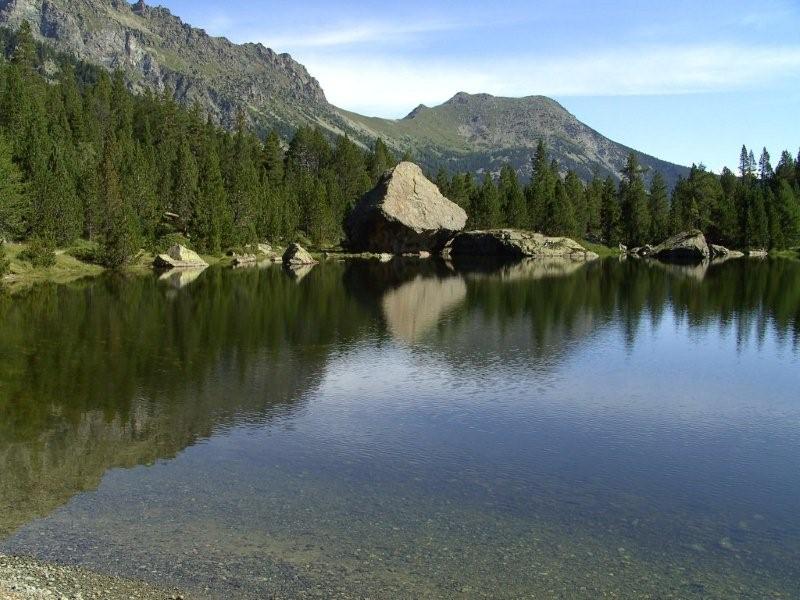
<point>486,208</point>
<point>610,214</point>
<point>633,200</point>
<point>118,242</point>
<point>14,205</point>
<point>512,198</point>
<point>659,209</point>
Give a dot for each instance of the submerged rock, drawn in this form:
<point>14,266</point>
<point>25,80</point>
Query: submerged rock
<point>179,257</point>
<point>514,243</point>
<point>404,213</point>
<point>687,246</point>
<point>296,255</point>
<point>758,254</point>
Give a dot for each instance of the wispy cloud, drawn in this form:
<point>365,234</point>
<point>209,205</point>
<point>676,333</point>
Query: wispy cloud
<point>398,84</point>
<point>349,34</point>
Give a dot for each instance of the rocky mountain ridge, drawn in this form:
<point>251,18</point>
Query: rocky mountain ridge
<point>157,50</point>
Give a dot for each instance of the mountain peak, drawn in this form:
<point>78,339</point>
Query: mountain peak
<point>413,114</point>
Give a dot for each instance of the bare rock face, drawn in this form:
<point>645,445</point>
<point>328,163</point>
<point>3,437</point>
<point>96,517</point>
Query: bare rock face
<point>404,213</point>
<point>687,246</point>
<point>296,256</point>
<point>514,243</point>
<point>179,257</point>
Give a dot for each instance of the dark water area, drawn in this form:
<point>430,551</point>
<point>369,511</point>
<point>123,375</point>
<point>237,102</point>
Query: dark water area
<point>412,429</point>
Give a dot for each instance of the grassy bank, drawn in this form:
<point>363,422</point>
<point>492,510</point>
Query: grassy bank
<point>599,249</point>
<point>23,274</point>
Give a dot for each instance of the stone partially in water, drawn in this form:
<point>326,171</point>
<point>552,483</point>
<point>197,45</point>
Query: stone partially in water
<point>179,257</point>
<point>515,243</point>
<point>687,246</point>
<point>405,212</point>
<point>296,255</point>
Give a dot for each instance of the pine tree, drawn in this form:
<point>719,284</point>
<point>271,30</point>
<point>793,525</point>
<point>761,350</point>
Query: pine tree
<point>380,160</point>
<point>559,216</point>
<point>610,214</point>
<point>118,239</point>
<point>594,202</point>
<point>14,203</point>
<point>757,230</point>
<point>210,224</point>
<point>512,198</point>
<point>764,167</point>
<point>185,189</point>
<point>486,209</point>
<point>541,192</point>
<point>633,200</point>
<point>787,207</point>
<point>576,194</point>
<point>273,158</point>
<point>659,209</point>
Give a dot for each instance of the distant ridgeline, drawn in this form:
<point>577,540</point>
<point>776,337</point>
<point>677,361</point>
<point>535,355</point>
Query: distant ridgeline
<point>81,156</point>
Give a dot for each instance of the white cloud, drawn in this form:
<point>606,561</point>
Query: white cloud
<point>391,86</point>
<point>348,34</point>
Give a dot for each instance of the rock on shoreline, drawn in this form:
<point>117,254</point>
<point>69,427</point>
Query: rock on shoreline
<point>514,243</point>
<point>179,257</point>
<point>404,213</point>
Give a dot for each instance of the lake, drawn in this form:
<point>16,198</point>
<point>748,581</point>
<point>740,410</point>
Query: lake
<point>412,429</point>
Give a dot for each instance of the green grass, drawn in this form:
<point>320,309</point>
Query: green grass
<point>599,249</point>
<point>22,274</point>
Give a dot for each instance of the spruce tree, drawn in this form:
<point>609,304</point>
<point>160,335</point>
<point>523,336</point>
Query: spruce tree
<point>14,203</point>
<point>659,209</point>
<point>610,214</point>
<point>633,200</point>
<point>576,194</point>
<point>118,242</point>
<point>541,192</point>
<point>512,198</point>
<point>486,208</point>
<point>273,158</point>
<point>559,216</point>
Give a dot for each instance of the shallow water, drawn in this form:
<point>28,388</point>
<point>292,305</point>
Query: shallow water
<point>412,429</point>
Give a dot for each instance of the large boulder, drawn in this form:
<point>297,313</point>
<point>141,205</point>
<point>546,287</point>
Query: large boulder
<point>296,256</point>
<point>404,213</point>
<point>514,243</point>
<point>688,246</point>
<point>179,257</point>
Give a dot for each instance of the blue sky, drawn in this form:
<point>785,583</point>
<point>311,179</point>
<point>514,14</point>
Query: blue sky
<point>687,81</point>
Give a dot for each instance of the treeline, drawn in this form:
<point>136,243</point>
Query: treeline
<point>758,209</point>
<point>83,157</point>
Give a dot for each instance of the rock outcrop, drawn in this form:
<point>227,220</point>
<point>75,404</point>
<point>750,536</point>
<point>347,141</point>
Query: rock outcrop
<point>722,253</point>
<point>179,257</point>
<point>513,243</point>
<point>687,246</point>
<point>297,256</point>
<point>405,212</point>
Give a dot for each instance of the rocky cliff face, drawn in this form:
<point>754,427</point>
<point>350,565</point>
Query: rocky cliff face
<point>156,50</point>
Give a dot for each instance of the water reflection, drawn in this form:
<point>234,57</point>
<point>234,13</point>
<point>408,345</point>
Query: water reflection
<point>377,404</point>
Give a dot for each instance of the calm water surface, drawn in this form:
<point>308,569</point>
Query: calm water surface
<point>412,430</point>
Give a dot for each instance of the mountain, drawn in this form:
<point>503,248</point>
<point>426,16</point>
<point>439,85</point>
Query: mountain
<point>158,51</point>
<point>479,131</point>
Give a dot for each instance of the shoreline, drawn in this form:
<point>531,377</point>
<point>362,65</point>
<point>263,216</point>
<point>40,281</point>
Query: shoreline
<point>23,578</point>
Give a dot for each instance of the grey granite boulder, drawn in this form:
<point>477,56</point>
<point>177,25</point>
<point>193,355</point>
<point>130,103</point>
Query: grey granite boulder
<point>405,212</point>
<point>296,255</point>
<point>514,243</point>
<point>687,246</point>
<point>179,257</point>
